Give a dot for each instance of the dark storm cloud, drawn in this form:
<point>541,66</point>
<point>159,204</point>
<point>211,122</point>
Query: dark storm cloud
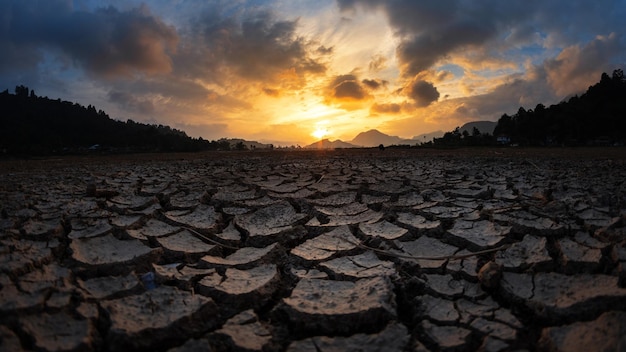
<point>420,52</point>
<point>432,30</point>
<point>261,45</point>
<point>374,83</point>
<point>106,42</point>
<point>18,43</point>
<point>130,102</point>
<point>173,86</point>
<point>324,50</point>
<point>271,92</point>
<point>347,87</point>
<point>257,48</point>
<point>423,93</point>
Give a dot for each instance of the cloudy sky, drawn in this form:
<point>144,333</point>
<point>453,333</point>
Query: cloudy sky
<point>293,71</point>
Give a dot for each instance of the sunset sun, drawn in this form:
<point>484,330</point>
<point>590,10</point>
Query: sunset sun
<point>320,133</point>
<point>287,73</point>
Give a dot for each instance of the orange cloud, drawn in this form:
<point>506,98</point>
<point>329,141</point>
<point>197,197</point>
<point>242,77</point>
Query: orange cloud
<point>378,63</point>
<point>271,92</point>
<point>392,108</point>
<point>577,67</point>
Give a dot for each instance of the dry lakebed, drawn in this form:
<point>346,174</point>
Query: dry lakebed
<point>353,250</point>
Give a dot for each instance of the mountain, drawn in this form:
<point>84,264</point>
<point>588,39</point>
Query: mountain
<point>374,138</point>
<point>427,137</point>
<point>327,144</point>
<point>236,143</point>
<point>482,126</point>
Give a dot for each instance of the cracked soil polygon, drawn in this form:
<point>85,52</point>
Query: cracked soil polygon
<point>315,250</point>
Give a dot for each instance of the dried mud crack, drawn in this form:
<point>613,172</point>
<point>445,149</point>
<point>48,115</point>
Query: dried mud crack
<point>492,250</point>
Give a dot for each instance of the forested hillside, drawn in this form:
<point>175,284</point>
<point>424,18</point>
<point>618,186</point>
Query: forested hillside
<point>32,125</point>
<point>596,117</point>
<point>39,126</point>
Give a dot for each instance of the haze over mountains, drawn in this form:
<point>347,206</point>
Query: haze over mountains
<point>33,125</point>
<point>38,125</point>
<point>374,138</point>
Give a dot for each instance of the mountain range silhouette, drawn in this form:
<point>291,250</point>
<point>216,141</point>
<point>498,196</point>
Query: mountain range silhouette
<point>32,125</point>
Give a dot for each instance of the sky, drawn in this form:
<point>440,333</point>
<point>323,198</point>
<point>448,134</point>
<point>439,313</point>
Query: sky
<point>291,72</point>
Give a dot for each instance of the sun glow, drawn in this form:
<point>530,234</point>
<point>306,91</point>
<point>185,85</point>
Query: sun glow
<point>320,133</point>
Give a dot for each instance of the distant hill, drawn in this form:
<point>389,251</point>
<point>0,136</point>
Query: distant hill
<point>374,138</point>
<point>32,125</point>
<point>598,117</point>
<point>427,137</point>
<point>327,144</point>
<point>236,143</point>
<point>482,126</point>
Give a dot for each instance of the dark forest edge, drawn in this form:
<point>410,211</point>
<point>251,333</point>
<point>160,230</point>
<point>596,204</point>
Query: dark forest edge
<point>596,118</point>
<point>32,125</point>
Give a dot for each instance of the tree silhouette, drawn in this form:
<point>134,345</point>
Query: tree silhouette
<point>31,125</point>
<point>21,91</point>
<point>595,117</point>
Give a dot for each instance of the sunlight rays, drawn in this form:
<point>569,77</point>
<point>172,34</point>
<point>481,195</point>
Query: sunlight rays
<point>320,133</point>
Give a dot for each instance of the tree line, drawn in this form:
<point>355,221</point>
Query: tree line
<point>32,125</point>
<point>597,117</point>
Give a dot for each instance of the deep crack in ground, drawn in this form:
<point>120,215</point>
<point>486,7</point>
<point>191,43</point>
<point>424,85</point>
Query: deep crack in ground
<point>346,250</point>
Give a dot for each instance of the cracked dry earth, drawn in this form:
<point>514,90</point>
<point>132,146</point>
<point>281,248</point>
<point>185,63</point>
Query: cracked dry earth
<point>307,251</point>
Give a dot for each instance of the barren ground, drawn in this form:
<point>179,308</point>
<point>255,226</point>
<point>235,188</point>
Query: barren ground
<point>399,250</point>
